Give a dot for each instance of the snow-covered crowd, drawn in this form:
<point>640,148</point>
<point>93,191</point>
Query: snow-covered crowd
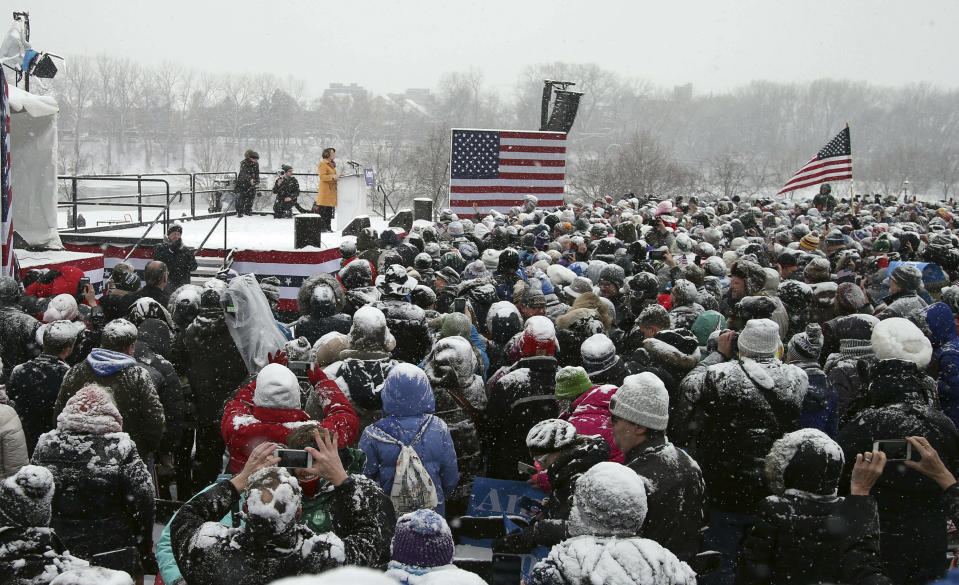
<point>698,387</point>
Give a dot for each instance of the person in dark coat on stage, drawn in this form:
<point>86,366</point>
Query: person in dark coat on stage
<point>287,189</point>
<point>246,181</point>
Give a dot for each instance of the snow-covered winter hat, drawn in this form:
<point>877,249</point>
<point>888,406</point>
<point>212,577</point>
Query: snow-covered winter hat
<point>759,339</point>
<point>348,248</point>
<point>580,285</point>
<point>549,436</point>
<point>356,274</point>
<point>571,381</point>
<point>276,387</point>
<point>422,539</point>
<point>455,229</point>
<point>654,316</point>
<point>25,497</point>
<point>281,511</point>
<point>806,460</point>
<point>451,362</point>
<point>909,278</point>
<point>817,270</point>
<point>598,353</point>
<point>898,338</point>
<point>539,337</point>
<point>453,324</point>
<point>298,350</point>
<point>475,269</point>
<point>850,298</point>
<point>683,293</point>
<point>490,258</point>
<point>714,266</point>
<point>271,289</point>
<point>369,331</point>
<point>61,307</point>
<point>395,281</point>
<point>613,273</point>
<point>327,349</point>
<point>807,345</point>
<point>90,410</point>
<point>642,399</point>
<point>610,500</point>
<point>92,576</point>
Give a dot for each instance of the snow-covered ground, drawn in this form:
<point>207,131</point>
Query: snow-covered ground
<point>248,233</point>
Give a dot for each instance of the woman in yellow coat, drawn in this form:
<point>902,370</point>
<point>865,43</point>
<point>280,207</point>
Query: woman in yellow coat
<point>326,195</point>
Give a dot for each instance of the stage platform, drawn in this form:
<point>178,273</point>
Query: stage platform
<point>262,245</point>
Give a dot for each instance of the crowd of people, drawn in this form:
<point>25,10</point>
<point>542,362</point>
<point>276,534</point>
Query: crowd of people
<point>726,392</point>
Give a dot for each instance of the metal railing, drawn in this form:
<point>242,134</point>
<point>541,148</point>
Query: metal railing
<point>222,183</point>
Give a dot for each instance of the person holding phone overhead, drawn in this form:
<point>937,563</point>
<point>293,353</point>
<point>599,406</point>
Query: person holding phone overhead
<point>326,195</point>
<point>912,521</point>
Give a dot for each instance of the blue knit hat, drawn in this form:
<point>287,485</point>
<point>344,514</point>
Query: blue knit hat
<point>423,539</point>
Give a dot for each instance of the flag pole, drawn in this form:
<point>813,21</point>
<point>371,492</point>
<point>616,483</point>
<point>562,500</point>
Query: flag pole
<point>852,193</point>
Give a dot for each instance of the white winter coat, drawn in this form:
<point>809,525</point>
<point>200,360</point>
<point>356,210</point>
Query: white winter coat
<point>13,445</point>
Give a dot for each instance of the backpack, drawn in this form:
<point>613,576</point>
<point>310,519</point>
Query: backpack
<point>413,488</point>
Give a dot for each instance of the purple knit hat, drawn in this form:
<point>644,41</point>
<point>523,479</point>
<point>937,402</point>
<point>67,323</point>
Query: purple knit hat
<point>423,539</point>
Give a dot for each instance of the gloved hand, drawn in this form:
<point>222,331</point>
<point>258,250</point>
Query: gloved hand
<point>516,542</point>
<point>316,374</point>
<point>278,358</point>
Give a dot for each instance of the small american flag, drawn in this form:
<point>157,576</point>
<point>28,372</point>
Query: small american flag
<point>6,194</point>
<point>833,162</point>
<point>497,169</point>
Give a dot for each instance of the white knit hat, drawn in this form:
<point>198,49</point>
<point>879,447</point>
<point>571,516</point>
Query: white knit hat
<point>276,387</point>
<point>759,338</point>
<point>642,399</point>
<point>898,338</point>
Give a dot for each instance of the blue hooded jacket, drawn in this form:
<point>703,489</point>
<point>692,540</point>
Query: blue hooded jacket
<point>407,402</point>
<point>105,362</point>
<point>945,350</point>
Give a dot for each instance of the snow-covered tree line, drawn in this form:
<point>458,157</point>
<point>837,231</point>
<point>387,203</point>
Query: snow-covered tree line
<point>630,135</point>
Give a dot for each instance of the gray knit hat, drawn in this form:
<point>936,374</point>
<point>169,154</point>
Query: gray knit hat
<point>759,338</point>
<point>642,399</point>
<point>907,277</point>
<point>807,345</point>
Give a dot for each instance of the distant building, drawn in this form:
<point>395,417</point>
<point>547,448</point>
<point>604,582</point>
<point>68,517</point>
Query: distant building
<point>338,89</point>
<point>683,93</point>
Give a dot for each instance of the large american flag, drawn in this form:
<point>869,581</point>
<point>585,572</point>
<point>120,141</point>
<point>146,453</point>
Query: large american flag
<point>497,169</point>
<point>833,162</point>
<point>6,194</point>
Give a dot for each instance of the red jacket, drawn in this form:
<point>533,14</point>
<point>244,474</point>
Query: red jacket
<point>244,426</point>
<point>66,283</point>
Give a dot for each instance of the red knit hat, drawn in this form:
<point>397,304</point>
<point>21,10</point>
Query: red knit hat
<point>539,337</point>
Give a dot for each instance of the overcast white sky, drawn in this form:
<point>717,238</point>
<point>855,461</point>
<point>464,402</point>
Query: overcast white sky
<point>389,46</point>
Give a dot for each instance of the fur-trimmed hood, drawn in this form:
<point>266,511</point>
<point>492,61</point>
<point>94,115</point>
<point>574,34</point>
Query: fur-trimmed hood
<point>306,292</point>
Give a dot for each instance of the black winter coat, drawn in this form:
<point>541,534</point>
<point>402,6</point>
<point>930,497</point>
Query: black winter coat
<point>168,388</point>
<point>675,494</point>
<point>911,515</point>
<point>517,401</point>
<point>214,365</point>
<point>795,540</point>
<point>179,260</point>
<point>735,422</point>
<point>363,526</point>
<point>18,334</point>
<point>248,170</point>
<point>33,388</point>
<point>104,494</point>
<point>407,323</point>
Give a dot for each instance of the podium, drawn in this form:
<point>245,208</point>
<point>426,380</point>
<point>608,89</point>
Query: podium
<point>350,199</point>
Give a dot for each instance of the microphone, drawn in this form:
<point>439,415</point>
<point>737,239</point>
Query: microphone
<point>352,163</point>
